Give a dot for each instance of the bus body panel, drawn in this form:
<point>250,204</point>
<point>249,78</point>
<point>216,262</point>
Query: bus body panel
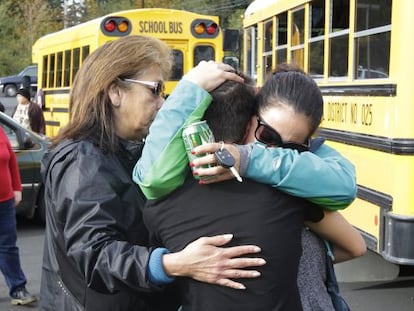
<point>368,111</point>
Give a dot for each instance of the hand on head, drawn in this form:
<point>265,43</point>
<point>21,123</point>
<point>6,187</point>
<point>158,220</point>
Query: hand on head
<point>209,75</point>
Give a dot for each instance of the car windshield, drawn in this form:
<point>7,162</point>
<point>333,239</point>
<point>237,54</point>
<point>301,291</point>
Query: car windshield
<point>30,71</point>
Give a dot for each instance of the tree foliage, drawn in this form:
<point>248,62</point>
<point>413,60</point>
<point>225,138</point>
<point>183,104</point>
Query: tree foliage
<point>21,24</point>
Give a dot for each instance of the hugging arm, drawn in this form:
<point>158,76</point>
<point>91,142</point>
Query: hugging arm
<point>161,168</point>
<point>347,241</point>
<point>205,261</point>
<point>324,176</point>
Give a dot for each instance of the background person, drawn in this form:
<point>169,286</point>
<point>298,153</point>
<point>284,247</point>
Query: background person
<point>97,255</point>
<point>27,113</point>
<point>10,196</point>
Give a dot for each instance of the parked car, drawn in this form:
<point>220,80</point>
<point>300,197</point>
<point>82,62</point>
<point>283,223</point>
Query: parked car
<point>366,73</point>
<point>10,84</point>
<point>29,148</point>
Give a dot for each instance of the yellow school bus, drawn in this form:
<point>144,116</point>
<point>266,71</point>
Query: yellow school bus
<point>358,51</point>
<point>192,38</point>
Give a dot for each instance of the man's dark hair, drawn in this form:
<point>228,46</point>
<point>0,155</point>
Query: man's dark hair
<point>230,111</point>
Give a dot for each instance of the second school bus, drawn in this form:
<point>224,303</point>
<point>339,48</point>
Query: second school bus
<point>192,38</point>
<point>359,53</point>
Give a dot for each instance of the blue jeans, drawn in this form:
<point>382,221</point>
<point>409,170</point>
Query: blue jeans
<point>9,252</point>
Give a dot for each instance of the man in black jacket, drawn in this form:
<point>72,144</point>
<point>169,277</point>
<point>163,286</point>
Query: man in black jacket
<point>256,214</point>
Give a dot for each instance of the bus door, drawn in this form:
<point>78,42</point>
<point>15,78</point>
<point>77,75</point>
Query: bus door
<point>180,65</point>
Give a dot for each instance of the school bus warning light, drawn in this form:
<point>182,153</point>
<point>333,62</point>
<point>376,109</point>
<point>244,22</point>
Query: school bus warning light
<point>202,28</point>
<point>116,26</point>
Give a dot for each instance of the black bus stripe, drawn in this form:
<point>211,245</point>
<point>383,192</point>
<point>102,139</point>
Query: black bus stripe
<point>56,92</point>
<point>360,90</point>
<point>375,197</point>
<point>400,146</point>
<point>52,123</point>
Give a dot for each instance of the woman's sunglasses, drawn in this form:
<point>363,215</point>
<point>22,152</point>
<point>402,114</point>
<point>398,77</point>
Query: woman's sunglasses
<point>157,88</point>
<point>270,137</point>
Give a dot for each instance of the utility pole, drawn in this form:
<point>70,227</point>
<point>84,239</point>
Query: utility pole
<point>65,14</point>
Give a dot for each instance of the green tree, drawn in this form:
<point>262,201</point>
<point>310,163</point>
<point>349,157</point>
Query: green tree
<point>9,50</point>
<point>21,24</point>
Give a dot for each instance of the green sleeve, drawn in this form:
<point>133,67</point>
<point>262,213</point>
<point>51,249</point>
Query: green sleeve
<point>161,168</point>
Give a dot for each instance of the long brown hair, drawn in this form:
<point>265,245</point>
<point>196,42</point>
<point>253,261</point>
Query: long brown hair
<point>91,112</point>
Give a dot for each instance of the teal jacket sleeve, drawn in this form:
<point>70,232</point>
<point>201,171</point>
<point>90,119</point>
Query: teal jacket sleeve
<point>324,177</point>
<point>161,168</point>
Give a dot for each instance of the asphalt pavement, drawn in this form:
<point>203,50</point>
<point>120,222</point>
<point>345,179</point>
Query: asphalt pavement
<point>395,295</point>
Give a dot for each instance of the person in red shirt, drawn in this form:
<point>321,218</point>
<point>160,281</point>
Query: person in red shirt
<point>10,196</point>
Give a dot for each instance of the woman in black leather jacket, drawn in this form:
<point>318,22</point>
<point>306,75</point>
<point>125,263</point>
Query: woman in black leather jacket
<point>96,253</point>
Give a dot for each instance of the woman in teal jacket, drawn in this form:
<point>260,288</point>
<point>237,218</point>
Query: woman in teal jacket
<point>161,169</point>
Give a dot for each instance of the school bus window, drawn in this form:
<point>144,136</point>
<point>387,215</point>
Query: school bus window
<point>66,80</point>
<point>203,52</point>
<point>316,52</point>
<point>372,40</point>
<point>75,62</point>
<point>268,37</point>
<point>297,37</point>
<point>267,48</point>
<point>250,51</point>
<point>316,40</point>
<point>178,66</point>
<point>85,52</point>
<point>317,21</point>
<point>281,48</point>
<point>372,14</point>
<point>298,27</point>
<point>44,71</point>
<point>372,56</point>
<point>339,39</point>
<point>338,60</point>
<point>267,63</point>
<point>340,15</point>
<point>52,71</point>
<point>282,29</point>
<point>59,72</point>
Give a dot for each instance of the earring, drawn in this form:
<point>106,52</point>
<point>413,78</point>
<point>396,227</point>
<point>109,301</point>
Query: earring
<point>116,104</point>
